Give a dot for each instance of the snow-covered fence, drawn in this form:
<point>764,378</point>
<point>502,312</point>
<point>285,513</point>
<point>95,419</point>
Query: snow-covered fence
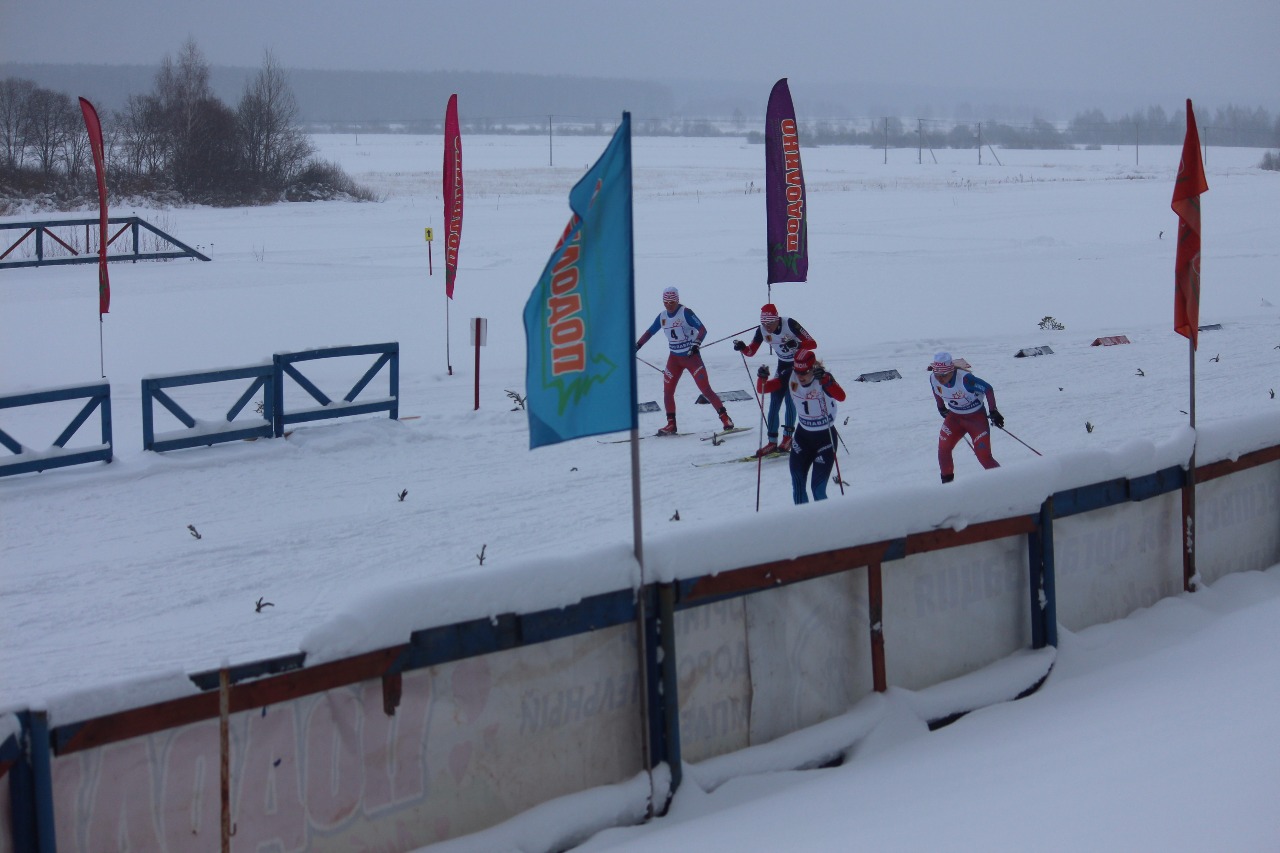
<point>71,251</point>
<point>286,365</point>
<point>269,378</point>
<point>98,398</point>
<point>265,377</point>
<point>423,714</point>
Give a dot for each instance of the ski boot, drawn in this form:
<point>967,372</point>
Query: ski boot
<point>785,446</point>
<point>669,429</point>
<point>724,418</point>
<point>770,447</point>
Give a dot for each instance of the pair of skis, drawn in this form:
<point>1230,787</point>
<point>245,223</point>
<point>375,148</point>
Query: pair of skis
<point>714,438</point>
<point>751,458</point>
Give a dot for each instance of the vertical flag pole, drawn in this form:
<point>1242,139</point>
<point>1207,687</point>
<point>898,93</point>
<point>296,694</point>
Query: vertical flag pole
<point>1189,491</point>
<point>580,371</point>
<point>637,536</point>
<point>1187,187</point>
<point>93,128</point>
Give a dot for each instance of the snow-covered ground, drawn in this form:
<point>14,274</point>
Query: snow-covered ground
<point>102,583</point>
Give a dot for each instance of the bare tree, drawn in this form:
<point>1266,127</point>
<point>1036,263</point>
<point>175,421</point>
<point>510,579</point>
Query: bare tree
<point>183,94</point>
<point>75,145</point>
<point>15,119</point>
<point>274,149</point>
<point>142,132</point>
<point>51,120</point>
<point>181,86</point>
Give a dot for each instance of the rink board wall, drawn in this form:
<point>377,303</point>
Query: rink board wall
<point>480,722</point>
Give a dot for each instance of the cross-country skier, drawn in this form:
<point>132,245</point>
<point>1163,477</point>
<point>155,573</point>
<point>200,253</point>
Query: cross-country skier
<point>959,397</point>
<point>684,333</point>
<point>815,393</point>
<point>787,337</point>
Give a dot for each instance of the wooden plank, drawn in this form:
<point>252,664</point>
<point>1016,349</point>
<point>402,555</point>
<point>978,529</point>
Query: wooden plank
<point>1214,470</point>
<point>138,722</point>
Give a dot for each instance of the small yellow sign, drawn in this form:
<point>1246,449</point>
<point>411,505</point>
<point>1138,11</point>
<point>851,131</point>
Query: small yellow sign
<point>428,235</point>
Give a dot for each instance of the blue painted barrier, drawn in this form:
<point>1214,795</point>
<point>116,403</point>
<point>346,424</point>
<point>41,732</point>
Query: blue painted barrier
<point>48,228</point>
<point>285,365</point>
<point>97,396</point>
<point>264,377</point>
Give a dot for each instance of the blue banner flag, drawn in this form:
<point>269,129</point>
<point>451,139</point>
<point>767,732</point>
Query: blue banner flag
<point>579,322</point>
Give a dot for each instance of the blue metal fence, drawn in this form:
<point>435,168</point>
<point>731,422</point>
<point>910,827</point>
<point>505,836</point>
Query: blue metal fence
<point>97,397</point>
<point>285,365</point>
<point>46,228</point>
<point>264,376</point>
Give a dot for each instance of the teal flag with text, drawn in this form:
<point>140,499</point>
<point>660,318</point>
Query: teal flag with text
<point>579,322</point>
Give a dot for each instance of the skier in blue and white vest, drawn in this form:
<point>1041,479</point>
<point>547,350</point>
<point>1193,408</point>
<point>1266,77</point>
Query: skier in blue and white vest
<point>684,334</point>
<point>959,396</point>
<point>787,337</point>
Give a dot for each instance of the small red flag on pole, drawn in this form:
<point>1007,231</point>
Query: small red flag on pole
<point>94,127</point>
<point>1187,188</point>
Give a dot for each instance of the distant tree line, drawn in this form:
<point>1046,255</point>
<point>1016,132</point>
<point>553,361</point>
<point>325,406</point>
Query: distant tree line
<point>178,143</point>
<point>1229,126</point>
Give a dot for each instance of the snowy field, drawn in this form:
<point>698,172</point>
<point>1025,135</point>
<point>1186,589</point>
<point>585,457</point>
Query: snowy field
<point>103,584</point>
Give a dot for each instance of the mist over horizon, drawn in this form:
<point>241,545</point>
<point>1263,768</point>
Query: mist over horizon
<point>407,97</point>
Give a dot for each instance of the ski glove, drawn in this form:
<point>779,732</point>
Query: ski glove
<point>820,374</point>
<point>763,372</point>
<point>942,410</point>
<point>997,419</point>
<point>695,350</point>
<point>739,346</point>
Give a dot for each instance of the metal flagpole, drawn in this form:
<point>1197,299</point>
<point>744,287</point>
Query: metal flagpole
<point>1189,490</point>
<point>447,359</point>
<point>643,641</point>
<point>642,616</point>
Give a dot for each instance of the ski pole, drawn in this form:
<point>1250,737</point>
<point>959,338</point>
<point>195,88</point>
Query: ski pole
<point>726,337</point>
<point>654,366</point>
<point>1020,441</point>
<point>760,437</point>
<point>836,456</point>
<point>751,379</point>
<point>841,437</point>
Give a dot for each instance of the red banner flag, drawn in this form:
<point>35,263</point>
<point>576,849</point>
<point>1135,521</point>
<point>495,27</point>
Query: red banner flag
<point>1187,188</point>
<point>452,194</point>
<point>94,127</point>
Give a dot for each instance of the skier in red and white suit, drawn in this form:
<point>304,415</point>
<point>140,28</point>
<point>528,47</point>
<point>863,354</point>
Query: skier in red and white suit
<point>684,334</point>
<point>959,396</point>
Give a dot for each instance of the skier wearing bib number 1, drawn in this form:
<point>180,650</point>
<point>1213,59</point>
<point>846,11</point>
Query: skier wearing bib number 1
<point>815,393</point>
<point>684,333</point>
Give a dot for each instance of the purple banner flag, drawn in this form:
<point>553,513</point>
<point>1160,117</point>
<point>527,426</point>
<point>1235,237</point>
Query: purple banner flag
<point>788,230</point>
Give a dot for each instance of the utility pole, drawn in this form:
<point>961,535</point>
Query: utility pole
<point>979,143</point>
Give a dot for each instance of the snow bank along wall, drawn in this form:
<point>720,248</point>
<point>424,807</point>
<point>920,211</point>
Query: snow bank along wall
<point>465,725</point>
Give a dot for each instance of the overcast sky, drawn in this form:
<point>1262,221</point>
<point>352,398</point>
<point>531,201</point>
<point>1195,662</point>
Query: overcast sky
<point>1210,50</point>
